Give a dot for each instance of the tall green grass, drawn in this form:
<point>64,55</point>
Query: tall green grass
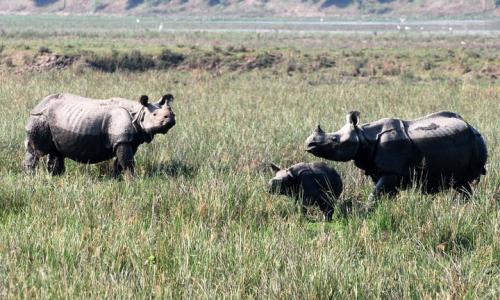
<point>196,221</point>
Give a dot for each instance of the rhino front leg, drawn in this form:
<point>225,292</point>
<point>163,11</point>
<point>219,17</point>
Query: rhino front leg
<point>124,160</point>
<point>117,168</point>
<point>327,212</point>
<point>387,185</point>
<point>55,164</point>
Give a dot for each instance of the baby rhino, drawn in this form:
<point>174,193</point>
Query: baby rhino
<point>311,183</point>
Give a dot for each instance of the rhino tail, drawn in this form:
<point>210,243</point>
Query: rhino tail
<point>479,154</point>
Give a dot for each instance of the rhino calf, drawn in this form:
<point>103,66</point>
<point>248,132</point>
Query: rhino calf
<point>310,183</point>
<point>441,150</point>
<point>91,131</point>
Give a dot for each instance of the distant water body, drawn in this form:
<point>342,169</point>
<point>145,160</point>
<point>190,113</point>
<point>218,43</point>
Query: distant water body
<point>459,27</point>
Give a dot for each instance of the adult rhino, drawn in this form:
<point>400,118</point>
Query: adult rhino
<point>440,149</point>
<point>92,131</point>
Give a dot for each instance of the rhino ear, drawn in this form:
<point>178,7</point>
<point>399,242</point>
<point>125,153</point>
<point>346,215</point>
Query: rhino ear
<point>352,117</point>
<point>292,172</point>
<point>144,100</point>
<point>274,167</point>
<point>168,98</point>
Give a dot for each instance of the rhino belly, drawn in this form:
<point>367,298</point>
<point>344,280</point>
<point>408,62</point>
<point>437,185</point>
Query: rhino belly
<point>82,147</point>
<point>79,132</point>
<point>446,158</point>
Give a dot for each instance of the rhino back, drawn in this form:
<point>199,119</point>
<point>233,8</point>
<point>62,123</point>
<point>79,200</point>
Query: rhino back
<point>88,130</point>
<point>41,107</point>
<point>437,126</point>
<point>325,179</point>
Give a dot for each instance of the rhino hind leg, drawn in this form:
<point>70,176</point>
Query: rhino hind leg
<point>38,142</point>
<point>30,159</point>
<point>55,163</point>
<point>465,189</point>
<point>476,167</point>
<point>327,210</point>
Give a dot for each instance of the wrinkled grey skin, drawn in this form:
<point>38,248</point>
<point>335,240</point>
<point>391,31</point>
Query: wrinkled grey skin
<point>441,150</point>
<point>91,131</point>
<point>311,183</point>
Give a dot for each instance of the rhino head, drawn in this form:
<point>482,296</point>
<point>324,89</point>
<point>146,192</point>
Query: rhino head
<point>341,145</point>
<point>283,182</point>
<point>156,117</point>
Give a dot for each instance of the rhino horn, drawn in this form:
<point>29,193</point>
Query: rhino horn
<point>274,167</point>
<point>168,98</point>
<point>319,130</point>
<point>144,100</point>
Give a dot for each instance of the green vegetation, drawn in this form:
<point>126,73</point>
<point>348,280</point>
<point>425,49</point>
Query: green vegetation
<point>196,222</point>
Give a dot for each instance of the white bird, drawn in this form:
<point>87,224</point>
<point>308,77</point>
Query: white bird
<point>450,28</point>
<point>160,28</point>
<point>398,27</point>
<point>321,20</point>
<point>421,28</point>
<point>463,42</point>
<point>137,20</point>
<point>402,19</point>
<point>407,27</point>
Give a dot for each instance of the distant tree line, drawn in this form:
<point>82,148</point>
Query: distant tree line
<point>44,2</point>
<point>361,4</point>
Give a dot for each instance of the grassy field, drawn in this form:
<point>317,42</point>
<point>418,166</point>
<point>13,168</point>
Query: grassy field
<point>196,222</point>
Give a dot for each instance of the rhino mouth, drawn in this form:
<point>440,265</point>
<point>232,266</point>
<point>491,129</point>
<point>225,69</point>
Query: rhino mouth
<point>318,149</point>
<point>312,146</point>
